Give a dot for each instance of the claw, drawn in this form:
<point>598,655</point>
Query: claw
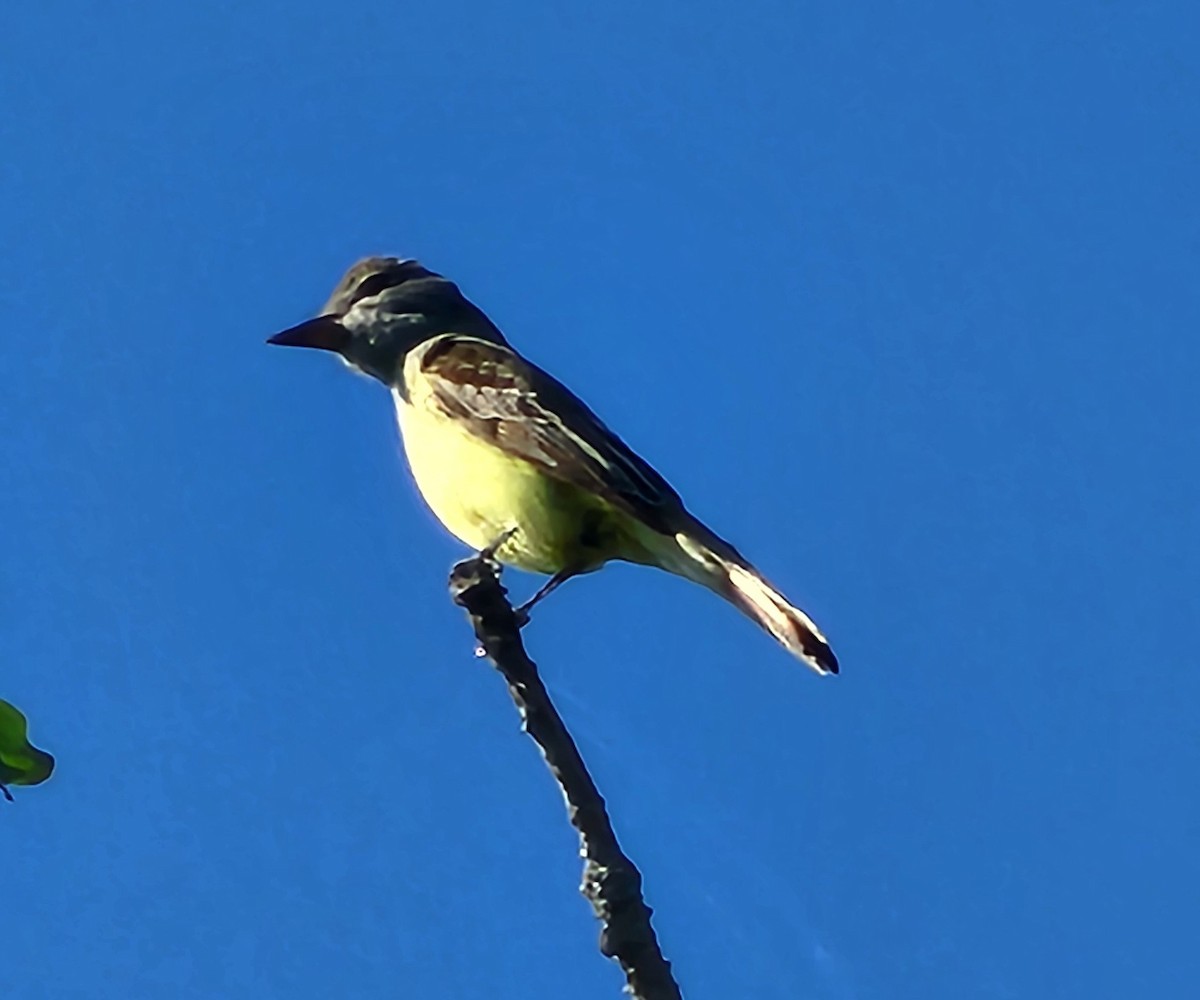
<point>488,552</point>
<point>548,588</point>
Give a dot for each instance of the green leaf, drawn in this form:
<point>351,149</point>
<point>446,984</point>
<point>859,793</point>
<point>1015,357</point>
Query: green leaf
<point>21,763</point>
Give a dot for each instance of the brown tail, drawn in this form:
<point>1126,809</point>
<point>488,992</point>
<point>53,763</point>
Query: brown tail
<point>709,560</point>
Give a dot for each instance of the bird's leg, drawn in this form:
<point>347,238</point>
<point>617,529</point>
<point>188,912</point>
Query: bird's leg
<point>488,552</point>
<point>551,585</point>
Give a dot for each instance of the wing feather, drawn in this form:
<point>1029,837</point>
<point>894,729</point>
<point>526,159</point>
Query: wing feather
<point>504,399</point>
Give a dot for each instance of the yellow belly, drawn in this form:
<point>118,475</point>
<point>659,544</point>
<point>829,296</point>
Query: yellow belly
<point>479,493</point>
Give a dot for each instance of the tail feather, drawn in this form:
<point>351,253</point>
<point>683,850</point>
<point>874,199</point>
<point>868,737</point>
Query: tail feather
<point>715,563</point>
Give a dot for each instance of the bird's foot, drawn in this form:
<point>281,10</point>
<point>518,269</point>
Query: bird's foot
<point>551,585</point>
<point>488,552</point>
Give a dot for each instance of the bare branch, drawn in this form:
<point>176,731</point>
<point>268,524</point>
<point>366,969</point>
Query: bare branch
<point>611,882</point>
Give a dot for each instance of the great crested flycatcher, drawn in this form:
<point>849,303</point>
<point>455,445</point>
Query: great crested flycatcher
<point>511,461</point>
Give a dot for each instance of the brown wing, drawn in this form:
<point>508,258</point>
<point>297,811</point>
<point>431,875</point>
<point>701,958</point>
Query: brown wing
<point>518,407</point>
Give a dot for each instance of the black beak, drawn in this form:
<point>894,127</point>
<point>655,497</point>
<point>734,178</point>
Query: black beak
<point>324,333</point>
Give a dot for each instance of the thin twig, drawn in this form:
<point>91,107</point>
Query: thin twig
<point>611,882</point>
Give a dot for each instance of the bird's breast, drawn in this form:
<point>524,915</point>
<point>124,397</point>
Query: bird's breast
<point>480,492</point>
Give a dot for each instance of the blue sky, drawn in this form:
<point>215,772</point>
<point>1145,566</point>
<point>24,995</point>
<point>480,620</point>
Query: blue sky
<point>901,297</point>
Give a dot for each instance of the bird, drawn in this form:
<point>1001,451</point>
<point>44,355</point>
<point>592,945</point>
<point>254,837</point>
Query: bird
<point>512,462</point>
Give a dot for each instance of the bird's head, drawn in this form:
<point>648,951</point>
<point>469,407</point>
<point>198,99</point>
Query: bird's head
<point>381,309</point>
